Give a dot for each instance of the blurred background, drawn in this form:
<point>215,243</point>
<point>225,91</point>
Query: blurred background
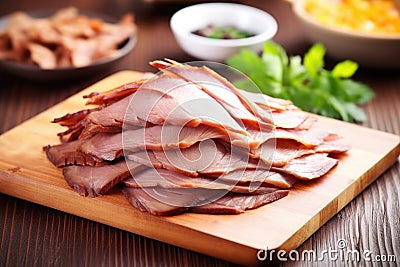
<point>152,16</point>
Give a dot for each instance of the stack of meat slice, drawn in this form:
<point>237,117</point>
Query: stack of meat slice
<point>187,140</point>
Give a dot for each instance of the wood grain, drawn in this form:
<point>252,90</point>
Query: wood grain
<point>238,238</point>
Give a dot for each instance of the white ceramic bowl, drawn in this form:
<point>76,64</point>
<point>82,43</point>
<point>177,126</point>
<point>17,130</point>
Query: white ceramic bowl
<point>369,50</point>
<point>243,17</point>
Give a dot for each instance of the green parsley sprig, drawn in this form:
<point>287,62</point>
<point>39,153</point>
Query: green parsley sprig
<point>305,82</point>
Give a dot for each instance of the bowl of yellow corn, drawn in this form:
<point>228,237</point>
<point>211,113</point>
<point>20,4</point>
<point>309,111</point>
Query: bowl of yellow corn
<point>366,31</point>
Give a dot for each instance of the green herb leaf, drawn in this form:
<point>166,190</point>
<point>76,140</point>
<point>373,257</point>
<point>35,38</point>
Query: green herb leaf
<point>355,112</point>
<point>307,84</point>
<point>357,92</point>
<point>345,69</point>
<point>272,48</point>
<point>249,63</point>
<point>273,66</point>
<point>314,59</point>
<point>340,107</point>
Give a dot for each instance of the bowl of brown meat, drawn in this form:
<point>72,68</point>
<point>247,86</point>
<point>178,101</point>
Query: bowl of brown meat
<point>62,44</point>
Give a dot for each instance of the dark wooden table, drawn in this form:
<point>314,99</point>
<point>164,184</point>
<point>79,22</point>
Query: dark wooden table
<point>35,235</point>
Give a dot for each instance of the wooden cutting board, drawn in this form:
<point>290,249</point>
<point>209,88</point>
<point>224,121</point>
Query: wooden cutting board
<point>26,173</point>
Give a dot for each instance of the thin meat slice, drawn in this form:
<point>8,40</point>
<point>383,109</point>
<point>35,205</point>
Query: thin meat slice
<point>72,133</point>
<point>332,146</point>
<point>255,176</point>
<point>268,102</point>
<point>111,146</point>
<point>74,120</point>
<point>289,119</point>
<point>310,137</point>
<point>278,152</point>
<point>92,129</point>
<point>109,119</point>
<point>243,175</point>
<point>168,136</point>
<point>190,99</point>
<point>71,119</point>
<point>170,201</point>
<point>208,157</point>
<point>145,157</point>
<point>170,179</point>
<point>246,118</point>
<point>232,103</point>
<point>284,113</point>
<point>94,181</point>
<point>300,133</point>
<point>308,167</point>
<point>113,95</point>
<point>239,203</point>
<point>167,201</point>
<point>66,154</point>
<point>145,203</point>
<point>281,180</point>
<point>105,146</point>
<point>220,89</point>
<point>102,119</point>
<point>307,123</point>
